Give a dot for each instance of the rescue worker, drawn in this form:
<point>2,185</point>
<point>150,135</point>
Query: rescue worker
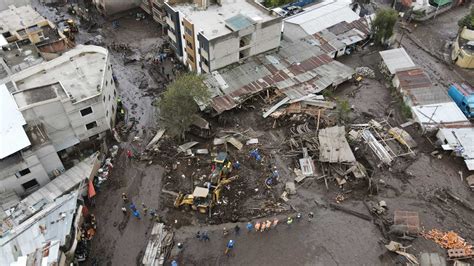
<point>230,246</point>
<point>225,232</point>
<point>249,226</point>
<point>124,210</point>
<point>269,225</point>
<point>263,226</point>
<point>145,209</point>
<point>257,226</point>
<point>310,216</point>
<point>275,223</point>
<point>289,221</point>
<point>124,197</point>
<point>129,154</point>
<point>237,229</point>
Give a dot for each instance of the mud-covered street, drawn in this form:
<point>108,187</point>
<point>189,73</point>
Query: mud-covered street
<point>416,183</point>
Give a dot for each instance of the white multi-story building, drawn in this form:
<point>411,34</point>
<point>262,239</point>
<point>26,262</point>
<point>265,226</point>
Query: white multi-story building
<point>57,104</point>
<point>209,36</point>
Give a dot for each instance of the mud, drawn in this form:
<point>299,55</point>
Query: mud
<point>333,237</point>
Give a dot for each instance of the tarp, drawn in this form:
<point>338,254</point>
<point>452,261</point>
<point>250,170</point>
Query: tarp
<point>91,191</point>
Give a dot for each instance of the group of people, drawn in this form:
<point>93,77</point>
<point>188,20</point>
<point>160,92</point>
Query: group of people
<point>135,211</point>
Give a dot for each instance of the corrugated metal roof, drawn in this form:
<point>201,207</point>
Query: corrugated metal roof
<point>13,137</point>
<point>437,115</point>
<point>396,59</point>
<point>413,78</point>
<point>56,217</point>
<point>324,17</point>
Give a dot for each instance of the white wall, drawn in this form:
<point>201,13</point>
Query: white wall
<point>265,39</point>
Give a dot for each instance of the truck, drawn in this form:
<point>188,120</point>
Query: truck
<point>463,95</point>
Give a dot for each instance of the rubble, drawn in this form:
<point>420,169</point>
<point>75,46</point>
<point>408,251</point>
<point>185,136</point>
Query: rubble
<point>450,241</point>
<point>365,72</point>
<point>159,245</point>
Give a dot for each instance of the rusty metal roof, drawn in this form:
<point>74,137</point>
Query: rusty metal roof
<point>413,78</point>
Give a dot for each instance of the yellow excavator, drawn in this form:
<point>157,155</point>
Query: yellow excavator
<point>202,198</point>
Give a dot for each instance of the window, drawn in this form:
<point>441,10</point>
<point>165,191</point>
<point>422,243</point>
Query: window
<point>30,184</point>
<point>111,81</point>
<point>103,99</point>
<point>191,58</point>
<point>109,98</point>
<point>91,125</point>
<point>23,172</point>
<point>188,31</point>
<point>113,110</point>
<point>115,93</point>
<point>86,111</point>
<point>190,45</point>
<point>107,113</point>
<point>106,83</point>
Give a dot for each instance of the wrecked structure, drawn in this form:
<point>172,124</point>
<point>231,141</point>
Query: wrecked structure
<point>296,70</point>
<point>334,27</point>
<point>21,25</point>
<point>208,36</point>
<point>112,7</point>
<point>430,105</point>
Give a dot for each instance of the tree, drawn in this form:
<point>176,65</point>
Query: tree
<point>383,24</point>
<point>468,20</point>
<point>178,103</point>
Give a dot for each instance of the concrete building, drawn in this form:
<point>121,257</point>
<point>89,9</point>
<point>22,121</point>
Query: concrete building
<point>207,36</point>
<point>111,7</point>
<point>25,33</point>
<point>4,4</point>
<point>156,9</point>
<point>58,104</point>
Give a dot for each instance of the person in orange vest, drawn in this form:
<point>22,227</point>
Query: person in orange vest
<point>275,223</point>
<point>257,226</point>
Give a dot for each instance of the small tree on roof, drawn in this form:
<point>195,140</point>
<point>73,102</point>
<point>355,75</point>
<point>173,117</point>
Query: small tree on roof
<point>177,105</point>
<point>383,24</point>
<point>468,20</point>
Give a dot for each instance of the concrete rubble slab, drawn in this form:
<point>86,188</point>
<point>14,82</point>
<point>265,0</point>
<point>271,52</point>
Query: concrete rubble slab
<point>334,147</point>
<point>156,138</point>
<point>186,146</point>
<point>237,144</point>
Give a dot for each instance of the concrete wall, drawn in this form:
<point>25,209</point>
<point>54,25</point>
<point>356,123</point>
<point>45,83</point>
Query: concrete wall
<point>293,32</point>
<point>225,50</point>
<point>10,182</point>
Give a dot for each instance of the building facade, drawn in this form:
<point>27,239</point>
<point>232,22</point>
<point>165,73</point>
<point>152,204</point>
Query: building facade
<point>208,36</point>
<point>62,102</point>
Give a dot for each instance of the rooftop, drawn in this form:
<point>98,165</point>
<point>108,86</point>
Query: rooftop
<point>56,218</point>
<point>439,114</point>
<point>396,60</point>
<point>31,96</point>
<point>460,137</point>
<point>79,71</point>
<point>13,137</point>
<point>297,69</point>
<point>21,57</point>
<point>328,13</point>
<point>218,20</point>
<point>16,18</point>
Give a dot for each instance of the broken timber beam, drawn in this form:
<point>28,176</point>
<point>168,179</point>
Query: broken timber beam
<point>348,211</point>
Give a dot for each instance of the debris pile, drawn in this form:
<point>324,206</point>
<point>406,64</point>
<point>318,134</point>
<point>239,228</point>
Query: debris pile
<point>365,72</point>
<point>451,241</point>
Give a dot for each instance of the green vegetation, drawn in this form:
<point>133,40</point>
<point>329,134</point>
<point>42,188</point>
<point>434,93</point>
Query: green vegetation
<point>177,104</point>
<point>406,110</point>
<point>276,3</point>
<point>343,110</point>
<point>468,20</point>
<point>383,24</point>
